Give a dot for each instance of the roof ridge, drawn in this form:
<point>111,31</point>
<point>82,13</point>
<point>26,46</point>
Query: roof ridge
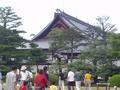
<point>62,13</point>
<point>41,31</point>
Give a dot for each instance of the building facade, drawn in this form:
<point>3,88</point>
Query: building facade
<point>62,21</point>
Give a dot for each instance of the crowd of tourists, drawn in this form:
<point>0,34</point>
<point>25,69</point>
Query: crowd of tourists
<point>74,80</point>
<point>22,79</point>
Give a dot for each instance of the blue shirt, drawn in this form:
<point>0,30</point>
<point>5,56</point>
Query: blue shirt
<point>78,77</point>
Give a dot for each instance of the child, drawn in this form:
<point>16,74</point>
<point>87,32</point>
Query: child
<point>52,86</point>
<point>23,86</point>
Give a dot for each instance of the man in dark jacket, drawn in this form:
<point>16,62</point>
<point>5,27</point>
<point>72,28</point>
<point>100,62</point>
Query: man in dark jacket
<point>45,69</point>
<point>61,80</point>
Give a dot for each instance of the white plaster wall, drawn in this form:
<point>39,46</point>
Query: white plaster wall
<point>43,43</point>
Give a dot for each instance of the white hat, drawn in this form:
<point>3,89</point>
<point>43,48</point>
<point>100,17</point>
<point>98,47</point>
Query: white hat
<point>23,68</point>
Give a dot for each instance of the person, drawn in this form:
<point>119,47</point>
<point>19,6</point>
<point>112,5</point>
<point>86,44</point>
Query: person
<point>61,80</point>
<point>26,75</point>
<point>53,86</point>
<point>45,71</point>
<point>87,80</point>
<point>78,77</point>
<point>23,86</point>
<point>0,81</point>
<point>71,80</point>
<point>18,79</point>
<point>40,80</point>
<point>11,79</point>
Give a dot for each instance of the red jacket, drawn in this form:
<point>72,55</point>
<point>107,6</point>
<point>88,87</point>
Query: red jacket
<point>40,81</point>
<point>23,87</point>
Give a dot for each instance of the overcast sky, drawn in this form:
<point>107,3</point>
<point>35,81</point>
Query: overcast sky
<point>36,14</point>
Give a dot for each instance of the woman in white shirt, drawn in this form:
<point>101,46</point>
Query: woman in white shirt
<point>71,80</point>
<point>25,76</point>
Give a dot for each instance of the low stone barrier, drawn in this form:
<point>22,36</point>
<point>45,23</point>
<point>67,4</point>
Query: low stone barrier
<point>106,85</point>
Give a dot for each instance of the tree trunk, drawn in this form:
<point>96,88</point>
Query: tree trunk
<point>71,58</point>
<point>4,24</point>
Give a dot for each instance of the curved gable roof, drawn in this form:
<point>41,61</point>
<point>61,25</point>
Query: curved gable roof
<point>69,20</point>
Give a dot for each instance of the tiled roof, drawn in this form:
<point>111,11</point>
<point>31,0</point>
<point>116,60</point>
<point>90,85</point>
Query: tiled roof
<point>68,19</point>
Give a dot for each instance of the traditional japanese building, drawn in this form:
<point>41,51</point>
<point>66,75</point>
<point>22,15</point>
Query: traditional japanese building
<point>62,21</point>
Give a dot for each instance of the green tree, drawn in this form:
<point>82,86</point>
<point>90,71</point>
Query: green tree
<point>108,67</point>
<point>10,41</point>
<point>37,56</point>
<point>68,39</point>
<point>9,19</point>
<point>78,65</point>
<point>98,46</point>
<point>114,42</point>
<point>9,34</point>
<point>101,43</point>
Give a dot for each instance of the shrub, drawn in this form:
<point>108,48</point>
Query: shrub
<point>54,78</point>
<point>78,65</point>
<point>115,80</point>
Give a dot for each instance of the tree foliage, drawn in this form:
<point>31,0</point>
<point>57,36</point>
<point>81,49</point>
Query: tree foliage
<point>11,38</point>
<point>37,56</point>
<point>115,80</point>
<point>9,19</point>
<point>67,39</point>
<point>114,41</point>
<point>78,65</point>
<point>102,46</point>
<point>57,39</point>
<point>9,34</point>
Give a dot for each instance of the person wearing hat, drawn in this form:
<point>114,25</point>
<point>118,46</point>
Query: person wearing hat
<point>25,75</point>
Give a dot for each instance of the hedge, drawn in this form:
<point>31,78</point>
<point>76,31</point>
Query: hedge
<point>115,80</point>
<point>53,78</point>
